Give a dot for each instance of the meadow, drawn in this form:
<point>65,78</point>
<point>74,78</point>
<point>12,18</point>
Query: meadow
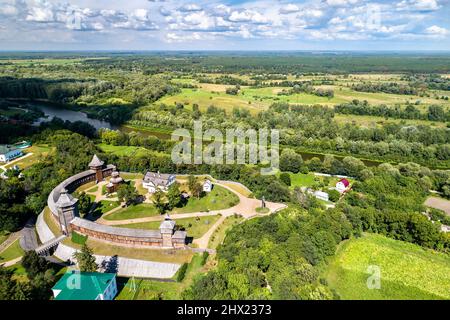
<point>407,271</point>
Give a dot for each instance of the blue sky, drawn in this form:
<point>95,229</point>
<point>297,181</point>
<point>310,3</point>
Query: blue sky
<point>224,25</point>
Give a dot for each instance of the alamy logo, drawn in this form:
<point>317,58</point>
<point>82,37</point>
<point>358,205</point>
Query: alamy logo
<point>374,280</point>
<point>239,146</point>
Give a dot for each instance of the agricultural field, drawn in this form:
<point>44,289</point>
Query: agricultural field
<point>258,99</point>
<point>407,270</point>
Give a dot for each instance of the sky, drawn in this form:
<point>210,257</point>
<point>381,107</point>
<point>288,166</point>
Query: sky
<point>224,25</point>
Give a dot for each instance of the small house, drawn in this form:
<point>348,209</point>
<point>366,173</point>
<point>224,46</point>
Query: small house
<point>321,195</point>
<point>342,185</point>
<point>75,285</point>
<point>207,186</point>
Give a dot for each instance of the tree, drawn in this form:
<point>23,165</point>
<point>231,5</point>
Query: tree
<point>86,259</point>
<point>127,193</point>
<point>158,201</point>
<point>34,264</point>
<point>174,195</point>
<point>290,161</point>
<point>192,180</point>
<point>197,190</point>
<point>334,195</point>
<point>84,203</point>
<point>285,178</point>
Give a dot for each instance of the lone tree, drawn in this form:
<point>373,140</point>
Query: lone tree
<point>84,203</point>
<point>174,195</point>
<point>127,193</point>
<point>158,200</point>
<point>192,181</point>
<point>86,259</point>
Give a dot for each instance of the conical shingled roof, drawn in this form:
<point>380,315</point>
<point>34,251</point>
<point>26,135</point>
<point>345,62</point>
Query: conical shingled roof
<point>65,199</point>
<point>167,223</point>
<point>95,162</point>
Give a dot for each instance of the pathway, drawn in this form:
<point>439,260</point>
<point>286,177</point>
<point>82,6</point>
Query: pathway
<point>11,262</point>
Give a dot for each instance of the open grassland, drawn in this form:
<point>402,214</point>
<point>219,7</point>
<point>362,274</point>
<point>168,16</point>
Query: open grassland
<point>146,289</point>
<point>11,252</point>
<point>125,150</point>
<point>156,254</point>
<point>195,227</point>
<point>407,270</point>
<point>219,234</point>
<point>104,206</point>
<point>38,153</point>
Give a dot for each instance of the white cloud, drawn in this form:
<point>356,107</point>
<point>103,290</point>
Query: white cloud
<point>340,3</point>
<point>420,5</point>
<point>436,30</point>
<point>289,8</point>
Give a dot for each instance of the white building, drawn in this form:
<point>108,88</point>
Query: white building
<point>155,180</point>
<point>207,186</point>
<point>342,185</point>
<point>321,195</point>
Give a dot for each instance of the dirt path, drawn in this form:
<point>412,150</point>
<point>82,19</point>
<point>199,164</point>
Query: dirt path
<point>11,262</point>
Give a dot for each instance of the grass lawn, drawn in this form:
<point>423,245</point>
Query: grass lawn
<point>407,271</point>
<point>195,227</point>
<point>219,198</point>
<point>51,222</point>
<point>103,207</point>
<point>86,187</point>
<point>141,210</point>
<point>92,190</point>
<point>239,189</point>
<point>3,237</point>
<point>159,255</point>
<point>309,180</point>
<point>129,176</point>
<point>39,152</point>
<point>13,251</point>
<point>152,290</point>
<point>219,234</point>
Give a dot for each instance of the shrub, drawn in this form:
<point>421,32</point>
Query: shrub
<point>205,256</point>
<point>182,272</point>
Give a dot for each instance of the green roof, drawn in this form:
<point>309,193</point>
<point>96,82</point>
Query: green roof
<point>76,285</point>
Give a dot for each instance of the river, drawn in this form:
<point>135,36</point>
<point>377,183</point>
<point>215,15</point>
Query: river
<point>70,115</point>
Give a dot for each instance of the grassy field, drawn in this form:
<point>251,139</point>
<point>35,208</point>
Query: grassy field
<point>219,198</point>
<point>407,270</point>
<point>238,188</point>
<point>11,252</point>
<point>219,234</point>
<point>39,152</point>
<point>51,222</point>
<point>309,180</point>
<point>373,121</point>
<point>125,150</point>
<point>103,207</point>
<point>195,227</point>
<point>133,212</point>
<point>154,290</point>
<point>3,237</point>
